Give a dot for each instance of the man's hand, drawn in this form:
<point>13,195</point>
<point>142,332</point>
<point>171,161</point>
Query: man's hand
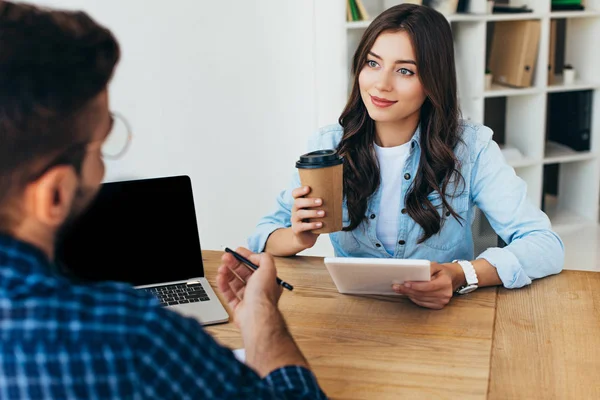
<point>249,292</point>
<point>253,297</point>
<point>445,279</point>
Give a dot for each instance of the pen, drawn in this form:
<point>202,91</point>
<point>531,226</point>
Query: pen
<point>250,264</point>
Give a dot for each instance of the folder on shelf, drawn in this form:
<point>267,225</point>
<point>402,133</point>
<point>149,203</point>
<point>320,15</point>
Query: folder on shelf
<point>552,53</point>
<point>514,52</point>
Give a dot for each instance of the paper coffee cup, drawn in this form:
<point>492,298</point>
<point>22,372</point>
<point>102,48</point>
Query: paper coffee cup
<point>323,172</point>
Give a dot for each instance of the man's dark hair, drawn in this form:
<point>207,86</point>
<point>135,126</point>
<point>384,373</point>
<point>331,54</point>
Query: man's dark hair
<point>52,64</point>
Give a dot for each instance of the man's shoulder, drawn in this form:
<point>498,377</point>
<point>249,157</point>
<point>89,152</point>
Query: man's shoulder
<point>56,312</point>
<point>130,311</point>
<point>117,296</point>
<point>88,310</point>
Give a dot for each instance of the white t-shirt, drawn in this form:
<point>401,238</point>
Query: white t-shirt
<point>391,166</point>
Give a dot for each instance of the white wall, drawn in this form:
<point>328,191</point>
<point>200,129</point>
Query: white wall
<point>226,92</point>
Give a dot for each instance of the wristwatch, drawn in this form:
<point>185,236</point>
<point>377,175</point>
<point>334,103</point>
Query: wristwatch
<point>470,275</point>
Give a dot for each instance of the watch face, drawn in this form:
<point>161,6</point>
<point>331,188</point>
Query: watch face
<point>467,289</point>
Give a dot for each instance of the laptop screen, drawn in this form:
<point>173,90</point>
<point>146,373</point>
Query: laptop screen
<point>141,232</point>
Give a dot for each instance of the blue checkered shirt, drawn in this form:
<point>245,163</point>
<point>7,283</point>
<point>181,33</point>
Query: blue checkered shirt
<point>65,339</point>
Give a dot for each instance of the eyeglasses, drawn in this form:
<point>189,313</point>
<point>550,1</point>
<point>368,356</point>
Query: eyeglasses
<point>118,139</point>
<point>114,146</point>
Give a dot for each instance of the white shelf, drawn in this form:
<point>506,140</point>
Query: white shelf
<point>513,16</point>
<point>358,24</point>
<point>461,17</point>
<point>555,153</point>
<point>574,14</point>
<point>505,91</point>
<point>523,162</point>
<point>563,218</point>
<point>515,158</point>
<point>560,86</point>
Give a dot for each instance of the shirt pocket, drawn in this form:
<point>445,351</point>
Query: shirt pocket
<point>452,231</point>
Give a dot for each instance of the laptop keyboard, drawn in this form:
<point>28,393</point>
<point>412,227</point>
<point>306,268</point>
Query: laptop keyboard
<point>181,293</point>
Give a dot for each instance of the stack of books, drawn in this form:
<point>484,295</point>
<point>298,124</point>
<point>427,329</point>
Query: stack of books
<point>355,11</point>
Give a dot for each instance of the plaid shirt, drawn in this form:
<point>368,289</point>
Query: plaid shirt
<point>60,338</point>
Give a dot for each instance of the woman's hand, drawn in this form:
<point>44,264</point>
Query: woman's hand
<point>302,210</point>
<point>445,279</point>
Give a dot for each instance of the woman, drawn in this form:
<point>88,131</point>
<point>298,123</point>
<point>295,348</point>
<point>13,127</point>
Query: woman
<point>414,172</point>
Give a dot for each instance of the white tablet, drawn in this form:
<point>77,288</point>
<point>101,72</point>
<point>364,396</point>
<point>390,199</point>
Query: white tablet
<point>374,275</point>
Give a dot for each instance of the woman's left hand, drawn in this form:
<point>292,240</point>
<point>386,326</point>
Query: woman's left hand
<point>438,291</point>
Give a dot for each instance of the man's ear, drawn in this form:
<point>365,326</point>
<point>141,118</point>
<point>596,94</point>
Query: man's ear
<point>49,198</point>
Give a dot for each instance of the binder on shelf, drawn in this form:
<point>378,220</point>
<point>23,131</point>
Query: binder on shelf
<point>569,119</point>
<point>353,10</point>
<point>356,11</point>
<point>570,5</point>
<point>506,9</point>
<point>514,52</point>
<point>552,53</point>
<point>549,182</point>
<point>364,16</point>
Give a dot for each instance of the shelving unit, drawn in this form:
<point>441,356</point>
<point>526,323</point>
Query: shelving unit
<point>522,113</point>
<point>556,153</point>
<point>560,86</point>
<point>504,91</point>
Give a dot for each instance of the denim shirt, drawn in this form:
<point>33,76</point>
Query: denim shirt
<point>533,250</point>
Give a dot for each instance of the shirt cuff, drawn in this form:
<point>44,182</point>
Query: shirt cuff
<point>295,379</point>
<point>258,241</point>
<point>508,266</point>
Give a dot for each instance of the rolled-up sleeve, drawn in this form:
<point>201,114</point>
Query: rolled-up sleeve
<point>295,383</point>
<point>533,250</point>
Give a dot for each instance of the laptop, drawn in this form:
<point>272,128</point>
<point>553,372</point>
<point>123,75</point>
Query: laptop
<point>144,232</point>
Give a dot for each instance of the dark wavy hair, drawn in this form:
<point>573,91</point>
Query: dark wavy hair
<point>52,64</point>
<point>431,38</point>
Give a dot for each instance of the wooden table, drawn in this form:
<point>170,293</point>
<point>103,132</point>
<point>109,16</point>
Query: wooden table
<point>496,344</point>
<point>547,339</point>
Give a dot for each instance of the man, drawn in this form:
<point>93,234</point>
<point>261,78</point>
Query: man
<point>65,338</point>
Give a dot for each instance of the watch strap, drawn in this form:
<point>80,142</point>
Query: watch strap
<point>469,270</point>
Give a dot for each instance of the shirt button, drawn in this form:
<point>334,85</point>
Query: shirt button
<point>402,243</point>
<point>372,216</point>
<point>403,211</point>
<point>447,213</point>
<point>377,245</point>
<point>407,176</point>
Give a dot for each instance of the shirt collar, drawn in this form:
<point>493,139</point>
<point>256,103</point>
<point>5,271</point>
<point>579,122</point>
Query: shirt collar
<point>26,257</point>
<point>416,138</point>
